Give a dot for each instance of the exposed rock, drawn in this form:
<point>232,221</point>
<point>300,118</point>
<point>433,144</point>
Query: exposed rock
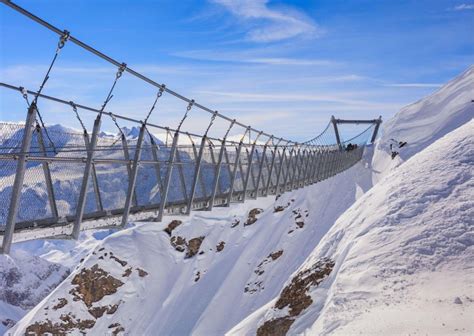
<point>62,302</point>
<point>276,255</point>
<point>235,222</point>
<point>121,262</point>
<point>220,246</point>
<point>141,273</point>
<point>198,276</point>
<point>275,327</point>
<point>253,216</point>
<point>93,284</point>
<point>66,326</point>
<point>113,325</point>
<point>118,330</point>
<point>112,309</point>
<point>295,295</point>
<point>179,243</point>
<point>97,312</point>
<point>9,323</point>
<point>173,225</point>
<point>193,246</point>
<point>279,208</point>
<point>127,272</point>
<point>300,224</point>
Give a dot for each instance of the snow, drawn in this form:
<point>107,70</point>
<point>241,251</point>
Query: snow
<point>218,300</point>
<point>423,122</point>
<point>404,252</point>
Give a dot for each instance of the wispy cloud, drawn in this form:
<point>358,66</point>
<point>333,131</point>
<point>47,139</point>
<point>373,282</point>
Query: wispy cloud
<point>251,57</point>
<point>267,24</point>
<point>464,7</point>
<point>415,85</point>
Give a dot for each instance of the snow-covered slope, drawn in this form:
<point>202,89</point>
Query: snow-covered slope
<point>402,257</point>
<point>238,267</point>
<point>423,122</point>
<point>239,270</point>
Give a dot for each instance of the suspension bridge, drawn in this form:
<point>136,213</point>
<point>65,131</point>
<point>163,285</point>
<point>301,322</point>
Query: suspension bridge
<point>56,182</point>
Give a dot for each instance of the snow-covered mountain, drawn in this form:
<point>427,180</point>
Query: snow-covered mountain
<point>400,260</point>
<point>284,265</point>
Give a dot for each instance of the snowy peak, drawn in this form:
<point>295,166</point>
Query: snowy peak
<point>402,252</point>
<point>422,123</point>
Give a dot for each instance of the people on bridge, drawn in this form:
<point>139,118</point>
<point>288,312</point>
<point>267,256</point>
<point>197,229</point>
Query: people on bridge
<point>351,147</point>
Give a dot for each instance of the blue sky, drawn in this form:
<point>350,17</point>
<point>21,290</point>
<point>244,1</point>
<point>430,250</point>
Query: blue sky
<point>285,66</point>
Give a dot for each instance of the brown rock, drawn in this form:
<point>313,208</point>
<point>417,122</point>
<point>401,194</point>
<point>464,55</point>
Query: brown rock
<point>276,255</point>
<point>300,224</point>
<point>295,295</point>
<point>179,243</point>
<point>235,222</point>
<point>127,272</point>
<point>220,246</point>
<point>121,262</point>
<point>193,246</point>
<point>252,217</point>
<point>173,225</point>
<point>142,273</point>
<point>62,302</point>
<point>67,324</point>
<point>93,284</point>
<point>279,208</point>
<point>275,327</point>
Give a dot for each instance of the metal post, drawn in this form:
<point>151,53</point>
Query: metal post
<point>154,153</point>
<point>197,172</point>
<point>95,182</point>
<point>169,171</point>
<point>213,159</point>
<point>376,129</point>
<point>280,170</point>
<point>293,169</point>
<point>336,131</point>
<point>201,178</point>
<point>288,169</point>
<point>260,170</point>
<point>234,173</point>
<point>276,149</point>
<point>126,155</point>
<point>133,177</point>
<point>217,175</point>
<point>317,165</point>
<point>19,177</point>
<point>306,164</point>
<point>85,180</point>
<point>310,168</point>
<point>302,172</point>
<point>249,168</point>
<point>182,178</point>
<point>47,175</point>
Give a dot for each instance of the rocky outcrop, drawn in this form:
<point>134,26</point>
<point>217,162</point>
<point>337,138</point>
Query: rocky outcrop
<point>295,297</point>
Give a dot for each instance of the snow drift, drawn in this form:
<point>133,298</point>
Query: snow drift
<point>403,254</point>
<point>231,267</point>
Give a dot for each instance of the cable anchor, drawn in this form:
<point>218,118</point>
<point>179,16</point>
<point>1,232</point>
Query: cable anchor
<point>63,39</point>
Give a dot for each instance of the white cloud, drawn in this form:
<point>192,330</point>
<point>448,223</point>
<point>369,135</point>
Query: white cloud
<point>464,7</point>
<point>251,57</point>
<point>269,24</point>
<point>415,85</point>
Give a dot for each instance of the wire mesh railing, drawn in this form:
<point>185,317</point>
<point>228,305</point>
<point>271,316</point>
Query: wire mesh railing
<point>56,181</point>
